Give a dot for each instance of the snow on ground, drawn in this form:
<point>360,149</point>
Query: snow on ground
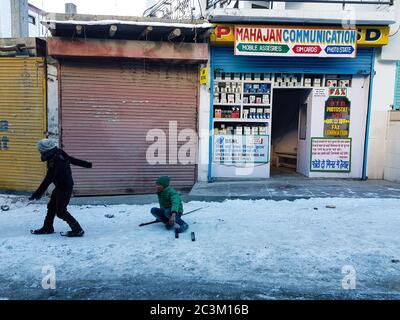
<point>254,249</point>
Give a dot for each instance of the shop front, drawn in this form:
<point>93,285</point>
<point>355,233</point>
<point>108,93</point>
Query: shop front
<point>129,106</point>
<point>290,100</point>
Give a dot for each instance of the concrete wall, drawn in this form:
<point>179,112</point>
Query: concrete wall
<point>392,50</point>
<point>19,18</point>
<point>382,101</point>
<point>5,19</point>
<point>52,101</point>
<point>204,132</point>
<point>392,154</point>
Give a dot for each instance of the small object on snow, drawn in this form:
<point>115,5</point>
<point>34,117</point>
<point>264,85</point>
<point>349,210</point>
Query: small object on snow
<point>176,233</point>
<point>193,236</point>
<point>315,208</point>
<point>331,206</point>
<point>5,208</point>
<point>395,260</point>
<point>109,216</point>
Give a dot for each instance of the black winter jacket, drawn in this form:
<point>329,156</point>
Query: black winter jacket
<point>58,170</point>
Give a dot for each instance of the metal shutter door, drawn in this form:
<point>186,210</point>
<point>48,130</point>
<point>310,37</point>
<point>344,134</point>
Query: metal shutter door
<point>107,108</point>
<point>224,58</point>
<point>22,122</point>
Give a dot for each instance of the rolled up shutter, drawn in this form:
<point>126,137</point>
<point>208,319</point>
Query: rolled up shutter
<point>107,109</point>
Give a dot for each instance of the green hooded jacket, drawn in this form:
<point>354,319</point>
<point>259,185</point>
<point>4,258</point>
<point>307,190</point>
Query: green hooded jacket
<point>169,198</point>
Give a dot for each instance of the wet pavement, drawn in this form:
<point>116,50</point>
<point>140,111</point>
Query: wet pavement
<point>295,187</point>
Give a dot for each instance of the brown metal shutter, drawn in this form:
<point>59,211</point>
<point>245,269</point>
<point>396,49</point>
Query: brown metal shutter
<point>107,108</point>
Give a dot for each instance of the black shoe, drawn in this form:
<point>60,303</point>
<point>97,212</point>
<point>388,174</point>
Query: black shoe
<point>73,233</point>
<point>43,231</point>
<point>182,228</point>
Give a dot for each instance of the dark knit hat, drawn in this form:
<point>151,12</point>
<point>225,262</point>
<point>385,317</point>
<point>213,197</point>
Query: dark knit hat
<point>163,181</point>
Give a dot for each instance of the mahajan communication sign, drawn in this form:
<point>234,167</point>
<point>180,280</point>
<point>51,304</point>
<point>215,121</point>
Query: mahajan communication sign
<point>295,42</point>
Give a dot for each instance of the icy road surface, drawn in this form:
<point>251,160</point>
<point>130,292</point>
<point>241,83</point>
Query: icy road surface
<point>243,250</point>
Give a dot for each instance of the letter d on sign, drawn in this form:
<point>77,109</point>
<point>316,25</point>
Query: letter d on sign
<point>49,280</point>
<point>349,280</point>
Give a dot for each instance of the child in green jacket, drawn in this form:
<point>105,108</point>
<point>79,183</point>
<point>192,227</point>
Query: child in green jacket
<point>171,208</point>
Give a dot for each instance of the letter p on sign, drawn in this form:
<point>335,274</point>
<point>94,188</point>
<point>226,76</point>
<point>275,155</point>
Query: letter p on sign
<point>222,31</point>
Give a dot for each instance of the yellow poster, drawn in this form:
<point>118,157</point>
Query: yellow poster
<point>203,75</point>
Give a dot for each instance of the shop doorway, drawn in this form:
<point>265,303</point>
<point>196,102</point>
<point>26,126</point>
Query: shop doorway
<point>288,131</point>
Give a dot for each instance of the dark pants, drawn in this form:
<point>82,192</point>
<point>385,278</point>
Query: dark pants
<point>164,215</point>
<point>57,206</point>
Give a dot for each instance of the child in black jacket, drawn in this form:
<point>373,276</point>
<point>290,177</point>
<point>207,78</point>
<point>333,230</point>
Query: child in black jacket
<point>59,173</point>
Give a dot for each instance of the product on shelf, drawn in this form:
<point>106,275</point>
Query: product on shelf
<point>218,113</point>
<point>252,113</point>
<point>236,113</point>
<point>264,88</point>
<point>262,130</point>
<point>254,130</point>
<point>223,98</point>
<point>222,130</point>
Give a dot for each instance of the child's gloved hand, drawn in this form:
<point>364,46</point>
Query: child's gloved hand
<point>172,219</point>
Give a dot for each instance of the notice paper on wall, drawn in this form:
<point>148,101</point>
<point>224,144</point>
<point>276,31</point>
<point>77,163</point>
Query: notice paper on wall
<point>330,155</point>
